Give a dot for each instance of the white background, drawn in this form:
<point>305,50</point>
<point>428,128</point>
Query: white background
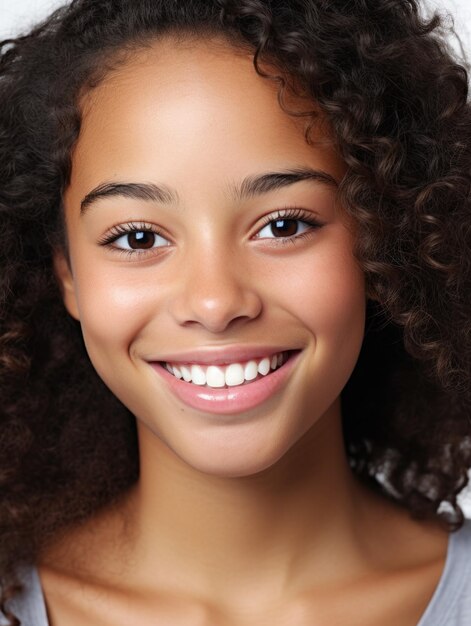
<point>17,17</point>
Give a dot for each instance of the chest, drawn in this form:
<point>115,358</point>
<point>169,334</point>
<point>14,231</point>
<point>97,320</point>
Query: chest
<point>398,600</point>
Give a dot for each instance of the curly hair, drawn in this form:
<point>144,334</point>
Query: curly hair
<point>396,98</point>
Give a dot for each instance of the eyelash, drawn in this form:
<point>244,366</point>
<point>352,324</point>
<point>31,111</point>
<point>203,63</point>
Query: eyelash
<point>293,214</point>
<point>125,229</point>
<point>282,214</point>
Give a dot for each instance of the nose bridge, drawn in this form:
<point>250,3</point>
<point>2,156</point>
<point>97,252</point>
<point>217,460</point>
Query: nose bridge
<point>214,289</point>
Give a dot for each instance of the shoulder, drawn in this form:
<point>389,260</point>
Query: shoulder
<point>451,602</point>
<point>28,605</point>
<point>460,575</point>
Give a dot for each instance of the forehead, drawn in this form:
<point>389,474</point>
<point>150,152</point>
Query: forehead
<point>194,68</point>
<point>172,102</point>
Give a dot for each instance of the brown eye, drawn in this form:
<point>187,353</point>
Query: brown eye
<point>284,228</point>
<point>141,240</point>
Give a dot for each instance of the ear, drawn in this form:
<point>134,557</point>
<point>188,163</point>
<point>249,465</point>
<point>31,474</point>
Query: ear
<point>66,281</point>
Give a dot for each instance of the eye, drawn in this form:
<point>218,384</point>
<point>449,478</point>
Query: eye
<point>289,225</point>
<point>140,240</point>
<point>284,228</point>
<point>134,238</point>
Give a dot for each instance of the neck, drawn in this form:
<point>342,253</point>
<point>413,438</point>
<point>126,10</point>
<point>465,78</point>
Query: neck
<point>229,536</point>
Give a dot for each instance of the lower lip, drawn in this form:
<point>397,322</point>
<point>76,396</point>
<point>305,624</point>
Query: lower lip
<point>231,400</point>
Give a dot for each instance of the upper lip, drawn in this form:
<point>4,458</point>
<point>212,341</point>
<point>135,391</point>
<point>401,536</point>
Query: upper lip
<point>223,355</point>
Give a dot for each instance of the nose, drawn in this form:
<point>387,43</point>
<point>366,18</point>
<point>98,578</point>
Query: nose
<point>214,291</point>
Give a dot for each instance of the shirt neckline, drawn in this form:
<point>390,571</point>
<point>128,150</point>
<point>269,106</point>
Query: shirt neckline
<point>450,584</point>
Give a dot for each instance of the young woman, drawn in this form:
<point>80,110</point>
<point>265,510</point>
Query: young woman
<point>235,318</point>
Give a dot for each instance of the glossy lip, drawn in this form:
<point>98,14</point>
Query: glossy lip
<point>231,400</point>
<point>221,356</point>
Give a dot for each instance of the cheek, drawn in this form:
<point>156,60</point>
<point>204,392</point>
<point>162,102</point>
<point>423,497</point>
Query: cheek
<point>337,300</point>
<point>115,303</point>
<point>326,290</point>
<point>327,296</point>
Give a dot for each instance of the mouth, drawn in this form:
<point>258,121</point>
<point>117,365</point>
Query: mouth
<point>192,383</point>
<point>230,375</point>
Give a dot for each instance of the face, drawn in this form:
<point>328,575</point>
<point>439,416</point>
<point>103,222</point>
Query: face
<point>204,233</point>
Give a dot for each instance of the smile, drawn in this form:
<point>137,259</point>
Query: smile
<point>247,385</point>
<point>230,375</point>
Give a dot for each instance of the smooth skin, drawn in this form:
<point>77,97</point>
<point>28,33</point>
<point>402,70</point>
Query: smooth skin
<point>256,518</point>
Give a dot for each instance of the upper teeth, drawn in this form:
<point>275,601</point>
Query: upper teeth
<point>230,375</point>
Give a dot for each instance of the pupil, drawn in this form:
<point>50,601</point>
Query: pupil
<point>141,239</point>
<point>284,227</point>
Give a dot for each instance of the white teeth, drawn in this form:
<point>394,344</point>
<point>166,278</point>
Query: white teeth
<point>177,372</point>
<point>198,376</point>
<point>250,370</point>
<point>215,376</point>
<point>229,375</point>
<point>186,373</point>
<point>264,366</point>
<point>234,374</point>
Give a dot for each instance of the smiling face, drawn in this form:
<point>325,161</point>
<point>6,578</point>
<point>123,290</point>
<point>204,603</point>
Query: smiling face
<point>203,228</point>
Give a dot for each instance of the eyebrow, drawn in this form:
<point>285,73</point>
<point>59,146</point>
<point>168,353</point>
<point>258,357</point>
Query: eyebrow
<point>250,187</point>
<point>137,191</point>
<point>264,183</point>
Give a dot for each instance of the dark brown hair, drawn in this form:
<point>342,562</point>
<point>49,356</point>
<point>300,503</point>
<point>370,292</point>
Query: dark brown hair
<point>397,102</point>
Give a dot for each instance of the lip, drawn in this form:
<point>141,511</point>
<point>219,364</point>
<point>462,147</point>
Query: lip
<point>231,400</point>
<point>221,356</point>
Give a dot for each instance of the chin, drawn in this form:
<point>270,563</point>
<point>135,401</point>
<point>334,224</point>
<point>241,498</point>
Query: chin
<point>235,455</point>
<point>236,467</point>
